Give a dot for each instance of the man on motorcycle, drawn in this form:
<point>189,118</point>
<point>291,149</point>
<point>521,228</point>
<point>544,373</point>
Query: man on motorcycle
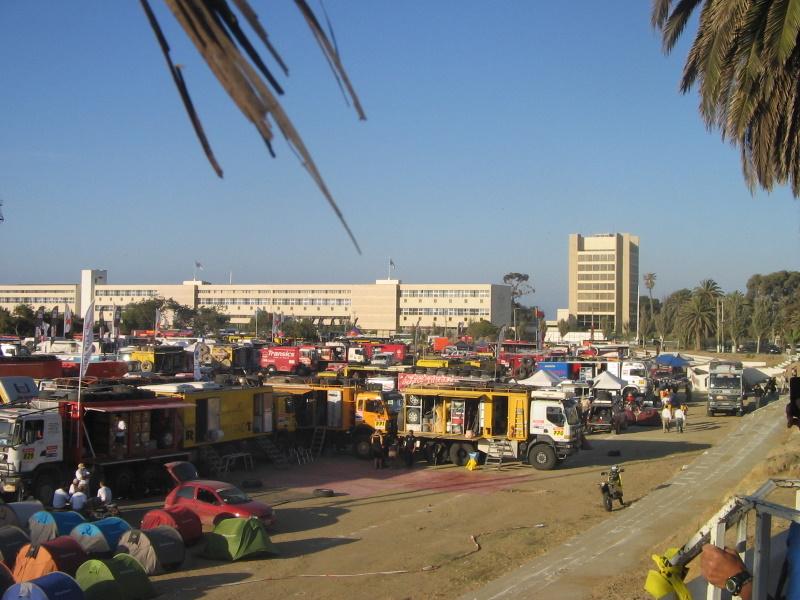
<point>611,488</point>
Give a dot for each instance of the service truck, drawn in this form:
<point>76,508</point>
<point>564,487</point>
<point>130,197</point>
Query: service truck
<point>42,439</point>
<point>298,360</point>
<point>453,421</point>
<point>726,392</point>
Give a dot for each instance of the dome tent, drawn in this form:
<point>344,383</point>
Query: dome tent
<point>24,510</point>
<point>100,537</point>
<point>8,518</point>
<point>234,539</point>
<point>11,540</point>
<point>45,525</point>
<point>178,517</point>
<point>6,578</point>
<point>121,577</point>
<point>54,586</point>
<point>157,550</point>
<point>61,554</point>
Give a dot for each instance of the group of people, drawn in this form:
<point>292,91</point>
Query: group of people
<point>388,450</point>
<point>674,414</point>
<point>76,497</point>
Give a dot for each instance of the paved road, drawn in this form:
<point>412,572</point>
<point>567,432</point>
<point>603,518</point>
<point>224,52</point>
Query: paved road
<point>570,571</point>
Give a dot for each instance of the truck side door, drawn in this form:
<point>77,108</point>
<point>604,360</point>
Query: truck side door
<point>41,442</point>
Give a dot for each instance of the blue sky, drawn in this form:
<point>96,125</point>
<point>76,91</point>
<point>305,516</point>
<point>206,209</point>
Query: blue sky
<point>494,130</point>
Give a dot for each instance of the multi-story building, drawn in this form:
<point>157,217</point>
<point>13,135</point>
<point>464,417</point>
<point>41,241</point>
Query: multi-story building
<point>603,279</point>
<point>386,306</point>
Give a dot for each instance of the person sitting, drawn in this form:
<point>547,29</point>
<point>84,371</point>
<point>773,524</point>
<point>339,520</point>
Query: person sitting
<point>104,494</point>
<point>78,499</point>
<point>60,499</point>
<point>73,487</point>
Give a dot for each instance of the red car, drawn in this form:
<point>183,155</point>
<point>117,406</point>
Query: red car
<point>212,501</point>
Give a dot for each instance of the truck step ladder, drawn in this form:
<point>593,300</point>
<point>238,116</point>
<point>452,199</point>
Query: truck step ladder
<point>498,450</point>
<point>271,451</point>
<point>317,441</point>
<point>212,459</point>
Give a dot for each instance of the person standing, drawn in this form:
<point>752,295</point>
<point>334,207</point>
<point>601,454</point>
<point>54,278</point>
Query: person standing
<point>666,418</point>
<point>82,474</point>
<point>377,444</point>
<point>680,419</point>
<point>120,427</point>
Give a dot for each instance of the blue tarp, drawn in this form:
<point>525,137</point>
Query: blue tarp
<point>672,360</point>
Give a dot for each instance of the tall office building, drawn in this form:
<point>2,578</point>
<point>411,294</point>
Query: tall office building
<point>604,279</point>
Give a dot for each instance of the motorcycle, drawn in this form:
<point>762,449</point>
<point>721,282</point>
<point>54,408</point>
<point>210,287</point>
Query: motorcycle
<point>611,488</point>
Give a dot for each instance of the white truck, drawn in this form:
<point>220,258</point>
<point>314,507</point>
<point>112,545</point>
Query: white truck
<point>726,391</point>
<point>634,374</point>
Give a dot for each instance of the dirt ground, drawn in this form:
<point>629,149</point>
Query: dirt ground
<point>433,532</point>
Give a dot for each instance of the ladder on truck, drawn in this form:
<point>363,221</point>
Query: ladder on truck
<point>498,450</point>
<point>317,441</point>
<point>271,451</point>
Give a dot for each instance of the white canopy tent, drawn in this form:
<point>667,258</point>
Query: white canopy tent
<point>607,381</point>
<point>541,379</point>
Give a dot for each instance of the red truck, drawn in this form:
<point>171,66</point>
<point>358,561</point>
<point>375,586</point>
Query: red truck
<point>300,360</point>
<point>399,351</point>
<point>519,357</point>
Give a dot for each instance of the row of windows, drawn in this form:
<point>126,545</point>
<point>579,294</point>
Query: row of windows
<point>127,293</point>
<point>478,312</point>
<point>596,277</point>
<point>36,299</point>
<point>444,293</point>
<point>466,319</point>
<point>277,301</point>
<point>595,267</point>
<point>596,257</point>
<point>586,307</point>
<point>595,286</point>
<point>596,295</point>
<point>265,292</point>
<point>44,291</point>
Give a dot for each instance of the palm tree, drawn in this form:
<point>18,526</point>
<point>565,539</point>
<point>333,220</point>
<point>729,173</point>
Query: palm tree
<point>708,290</point>
<point>650,283</point>
<point>746,62</point>
<point>696,319</point>
<point>737,316</point>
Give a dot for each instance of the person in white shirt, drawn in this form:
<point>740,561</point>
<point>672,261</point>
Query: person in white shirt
<point>104,494</point>
<point>666,418</point>
<point>78,500</point>
<point>60,498</point>
<point>680,419</point>
<point>119,431</point>
<point>82,473</point>
<point>76,483</point>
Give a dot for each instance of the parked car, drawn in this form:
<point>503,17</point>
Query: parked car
<point>212,501</point>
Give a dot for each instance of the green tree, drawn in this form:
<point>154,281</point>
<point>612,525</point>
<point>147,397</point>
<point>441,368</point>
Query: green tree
<point>736,316</point>
<point>650,283</point>
<point>519,285</point>
<point>7,321</point>
<point>563,328</point>
<point>696,319</point>
<point>762,320</point>
<point>140,315</point>
<point>264,322</point>
<point>481,330</point>
<point>209,320</point>
<point>25,320</point>
<point>708,290</point>
<point>746,63</point>
<point>300,329</point>
<point>182,316</point>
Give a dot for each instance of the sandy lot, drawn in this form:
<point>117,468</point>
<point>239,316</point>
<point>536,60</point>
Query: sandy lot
<point>432,532</point>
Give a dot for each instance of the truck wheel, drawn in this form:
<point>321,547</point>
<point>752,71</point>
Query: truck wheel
<point>740,412</point>
<point>124,481</point>
<point>146,366</point>
<point>45,486</point>
<point>151,480</point>
<point>542,457</point>
<point>362,447</point>
<point>459,454</point>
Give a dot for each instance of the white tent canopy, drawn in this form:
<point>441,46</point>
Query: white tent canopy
<point>541,378</point>
<point>607,381</point>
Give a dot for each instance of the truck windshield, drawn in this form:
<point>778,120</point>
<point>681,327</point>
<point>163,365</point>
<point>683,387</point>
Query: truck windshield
<point>6,433</point>
<point>725,382</point>
<point>637,373</point>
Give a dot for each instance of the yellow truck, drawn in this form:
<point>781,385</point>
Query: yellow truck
<point>217,413</point>
<point>453,421</point>
<point>167,360</point>
<point>348,413</point>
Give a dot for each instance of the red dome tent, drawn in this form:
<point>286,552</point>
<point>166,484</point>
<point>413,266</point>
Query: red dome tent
<point>185,521</point>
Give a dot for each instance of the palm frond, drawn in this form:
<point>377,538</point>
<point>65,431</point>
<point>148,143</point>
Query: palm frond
<point>676,23</point>
<point>783,24</point>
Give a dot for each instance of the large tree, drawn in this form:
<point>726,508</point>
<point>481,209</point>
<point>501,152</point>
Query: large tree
<point>7,321</point>
<point>481,330</point>
<point>696,319</point>
<point>746,62</point>
<point>141,315</point>
<point>762,320</point>
<point>737,316</point>
<point>300,329</point>
<point>25,320</point>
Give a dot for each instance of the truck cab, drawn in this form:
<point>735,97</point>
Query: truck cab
<point>376,410</point>
<point>725,388</point>
<point>555,428</point>
<point>30,440</point>
<point>635,375</point>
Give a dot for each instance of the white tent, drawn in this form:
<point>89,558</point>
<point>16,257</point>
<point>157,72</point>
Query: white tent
<point>541,378</point>
<point>607,381</point>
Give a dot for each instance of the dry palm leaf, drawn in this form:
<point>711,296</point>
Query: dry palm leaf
<point>214,30</point>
